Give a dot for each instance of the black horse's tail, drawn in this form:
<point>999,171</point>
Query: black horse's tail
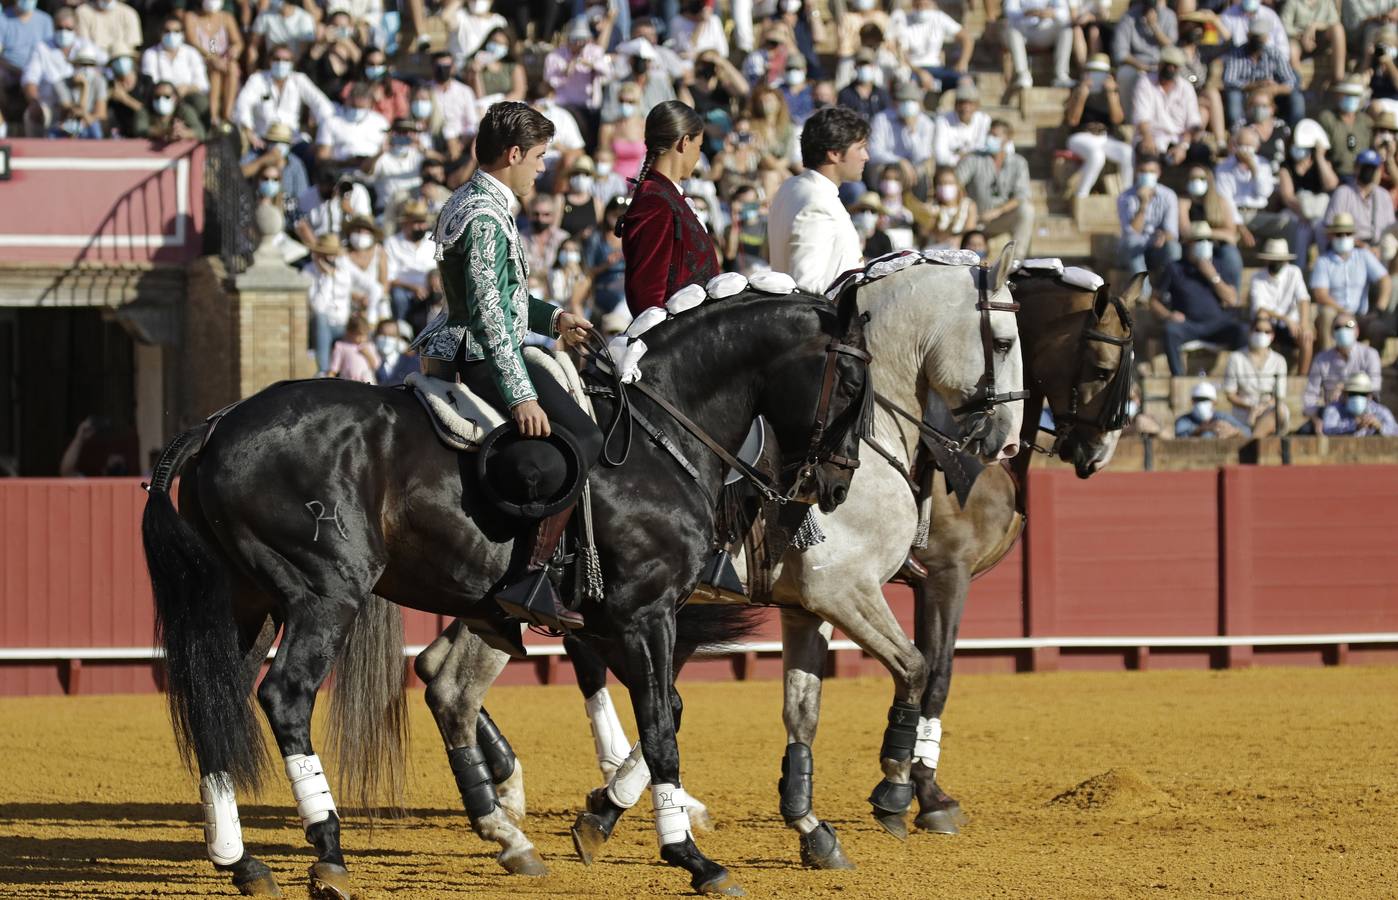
<point>207,683</point>
<point>369,710</point>
<point>713,626</point>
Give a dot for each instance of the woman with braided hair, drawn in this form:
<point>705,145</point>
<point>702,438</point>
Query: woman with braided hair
<point>665,246</point>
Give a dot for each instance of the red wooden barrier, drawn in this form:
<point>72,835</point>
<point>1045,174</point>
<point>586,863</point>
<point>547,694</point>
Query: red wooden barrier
<point>1243,551</point>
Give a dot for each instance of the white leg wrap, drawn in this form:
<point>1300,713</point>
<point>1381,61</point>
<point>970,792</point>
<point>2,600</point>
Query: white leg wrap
<point>671,814</point>
<point>223,833</point>
<point>630,780</point>
<point>310,788</point>
<point>607,734</point>
<point>927,749</point>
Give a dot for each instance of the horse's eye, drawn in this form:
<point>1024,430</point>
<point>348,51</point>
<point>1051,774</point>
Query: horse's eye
<point>1103,374</point>
<point>1003,345</point>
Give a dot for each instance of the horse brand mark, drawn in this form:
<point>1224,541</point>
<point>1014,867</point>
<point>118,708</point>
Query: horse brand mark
<point>304,766</point>
<point>318,510</point>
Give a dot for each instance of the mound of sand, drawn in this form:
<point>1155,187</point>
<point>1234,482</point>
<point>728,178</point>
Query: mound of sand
<point>1119,792</point>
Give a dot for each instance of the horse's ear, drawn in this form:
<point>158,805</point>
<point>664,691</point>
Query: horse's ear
<point>1101,301</point>
<point>1000,269</point>
<point>1133,290</point>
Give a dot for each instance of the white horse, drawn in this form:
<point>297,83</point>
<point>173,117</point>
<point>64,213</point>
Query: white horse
<point>943,331</point>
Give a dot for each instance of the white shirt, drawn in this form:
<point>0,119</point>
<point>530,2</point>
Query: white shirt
<point>809,232</point>
<point>954,138</point>
<point>470,31</point>
<point>690,39</point>
<point>184,69</point>
<point>329,294</point>
<point>1238,23</point>
<point>922,33</point>
<point>1280,295</point>
<point>263,101</point>
<point>327,216</point>
<point>1014,11</point>
<point>1242,376</point>
<point>891,139</point>
<point>458,105</point>
<point>408,262</point>
<point>346,139</point>
<point>1247,186</point>
<point>566,135</point>
<point>48,66</point>
<point>398,173</point>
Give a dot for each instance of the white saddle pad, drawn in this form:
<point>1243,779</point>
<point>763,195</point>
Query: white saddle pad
<point>462,419</point>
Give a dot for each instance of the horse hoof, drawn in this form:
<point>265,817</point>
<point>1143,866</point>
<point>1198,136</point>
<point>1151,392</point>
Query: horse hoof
<point>588,838</point>
<point>820,849</point>
<point>893,823</point>
<point>941,821</point>
<point>723,885</point>
<point>330,882</point>
<point>527,862</point>
<point>261,886</point>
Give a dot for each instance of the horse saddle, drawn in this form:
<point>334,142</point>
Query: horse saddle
<point>462,418</point>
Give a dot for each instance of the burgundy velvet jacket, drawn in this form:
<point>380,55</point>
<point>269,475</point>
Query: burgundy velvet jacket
<point>665,246</point>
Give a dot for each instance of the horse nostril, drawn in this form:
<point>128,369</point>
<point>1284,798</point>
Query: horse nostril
<point>840,493</point>
<point>1011,451</point>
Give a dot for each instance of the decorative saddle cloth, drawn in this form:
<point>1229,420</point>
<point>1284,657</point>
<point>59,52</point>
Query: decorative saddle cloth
<point>462,418</point>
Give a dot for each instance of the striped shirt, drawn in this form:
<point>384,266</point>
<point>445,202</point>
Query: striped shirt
<point>1162,214</point>
<point>1329,370</point>
<point>1240,69</point>
<point>1372,215</point>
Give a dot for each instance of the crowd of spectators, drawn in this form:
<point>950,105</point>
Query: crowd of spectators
<point>356,120</point>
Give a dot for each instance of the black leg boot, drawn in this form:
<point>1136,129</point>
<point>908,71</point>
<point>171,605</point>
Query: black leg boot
<point>532,596</point>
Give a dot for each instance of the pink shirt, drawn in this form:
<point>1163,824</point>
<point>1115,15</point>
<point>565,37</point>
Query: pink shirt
<point>349,363</point>
<point>1170,115</point>
<point>578,87</point>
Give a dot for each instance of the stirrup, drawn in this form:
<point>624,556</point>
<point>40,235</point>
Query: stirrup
<point>720,574</point>
<point>912,572</point>
<point>533,599</point>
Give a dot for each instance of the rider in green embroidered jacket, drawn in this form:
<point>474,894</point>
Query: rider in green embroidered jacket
<point>485,276</point>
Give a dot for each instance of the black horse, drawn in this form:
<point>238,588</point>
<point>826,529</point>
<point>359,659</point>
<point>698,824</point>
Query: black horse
<point>309,500</point>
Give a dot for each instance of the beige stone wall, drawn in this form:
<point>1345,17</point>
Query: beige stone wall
<point>207,354</point>
<point>270,331</point>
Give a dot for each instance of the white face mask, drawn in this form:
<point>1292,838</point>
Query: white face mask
<point>909,109</point>
<point>1259,340</point>
<point>863,5</point>
<point>1345,337</point>
<point>356,114</point>
<point>1198,187</point>
<point>993,144</point>
<point>280,69</point>
<point>1146,179</point>
<point>480,7</point>
<point>390,344</point>
<point>947,193</point>
<point>604,168</point>
<point>172,40</point>
<point>865,221</point>
<point>580,184</point>
<point>867,74</point>
<point>164,106</point>
<point>569,258</point>
<point>361,240</point>
<point>795,77</point>
<point>891,187</point>
<point>627,110</point>
<point>1357,404</point>
<point>1203,410</point>
<point>213,6</point>
<point>64,38</point>
<point>1342,244</point>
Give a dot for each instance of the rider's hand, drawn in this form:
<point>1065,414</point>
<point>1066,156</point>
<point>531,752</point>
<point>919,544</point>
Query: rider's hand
<point>530,419</point>
<point>572,330</point>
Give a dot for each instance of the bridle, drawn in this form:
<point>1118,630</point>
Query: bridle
<point>977,410</point>
<point>815,455</point>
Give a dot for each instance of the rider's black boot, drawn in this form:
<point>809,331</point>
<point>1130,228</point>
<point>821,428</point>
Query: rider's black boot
<point>532,596</point>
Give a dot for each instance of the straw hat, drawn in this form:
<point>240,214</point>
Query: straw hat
<point>364,223</point>
<point>413,211</point>
<point>1351,86</point>
<point>1359,383</point>
<point>1173,55</point>
<point>279,133</point>
<point>871,201</point>
<point>1343,223</point>
<point>1276,250</point>
<point>1386,121</point>
<point>327,245</point>
<point>1099,62</point>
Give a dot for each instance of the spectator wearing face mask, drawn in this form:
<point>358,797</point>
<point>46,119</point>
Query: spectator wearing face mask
<point>166,119</point>
<point>471,27</point>
<point>1148,27</point>
<point>82,100</point>
<point>1358,414</point>
<point>1381,70</point>
<point>355,133</point>
<point>865,93</point>
<point>605,261</point>
<point>125,95</point>
<point>903,135</point>
<point>567,144</point>
<point>1191,298</point>
<point>976,242</point>
<point>292,179</point>
<point>865,215</point>
<point>1345,277</point>
<point>1278,291</point>
<point>337,292</point>
<point>1332,366</point>
<point>1305,183</point>
<point>1165,110</point>
<point>997,179</point>
<point>797,93</point>
<point>1039,24</point>
<point>108,24</point>
<point>397,171</point>
<point>455,103</point>
<point>354,357</point>
<point>1273,134</point>
<point>575,70</point>
<point>411,254</point>
<point>1347,129</point>
<point>543,237</point>
<point>569,286</point>
<point>23,27</point>
<point>582,210</point>
<point>949,213</point>
<point>1095,116</point>
<point>1203,202</point>
<point>646,71</point>
<point>1247,181</point>
<point>46,76</point>
<point>1313,27</point>
<point>364,252</point>
<point>1247,18</point>
<point>175,62</point>
<point>896,217</point>
<point>396,361</point>
<point>1148,212</point>
<point>1204,421</point>
<point>391,96</point>
<point>332,202</point>
<point>215,35</point>
<point>278,94</point>
<point>1255,382</point>
<point>493,72</point>
<point>1370,207</point>
<point>1257,65</point>
<point>745,242</point>
<point>607,182</point>
<point>961,130</point>
<point>922,34</point>
<point>282,24</point>
<point>625,135</point>
<point>697,29</point>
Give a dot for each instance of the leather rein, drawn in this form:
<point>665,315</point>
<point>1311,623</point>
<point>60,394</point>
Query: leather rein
<point>766,486</point>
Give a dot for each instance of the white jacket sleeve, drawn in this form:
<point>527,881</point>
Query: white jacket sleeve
<point>813,243</point>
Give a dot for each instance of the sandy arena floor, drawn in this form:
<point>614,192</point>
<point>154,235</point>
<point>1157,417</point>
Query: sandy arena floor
<point>1266,783</point>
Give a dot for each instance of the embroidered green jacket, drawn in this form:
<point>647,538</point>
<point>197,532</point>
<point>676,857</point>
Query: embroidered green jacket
<point>485,276</point>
